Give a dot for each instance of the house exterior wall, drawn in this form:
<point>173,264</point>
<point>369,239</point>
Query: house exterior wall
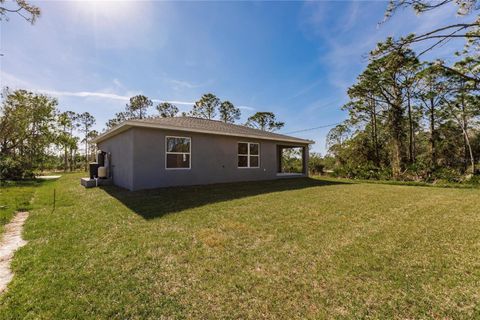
<point>213,160</point>
<point>121,148</point>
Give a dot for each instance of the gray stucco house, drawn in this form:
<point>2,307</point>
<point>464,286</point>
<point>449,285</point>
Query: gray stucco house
<point>180,151</point>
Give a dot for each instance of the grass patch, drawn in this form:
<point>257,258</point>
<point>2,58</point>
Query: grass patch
<point>15,196</point>
<point>299,248</point>
<point>438,184</point>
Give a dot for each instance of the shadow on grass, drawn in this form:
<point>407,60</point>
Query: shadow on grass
<point>155,203</point>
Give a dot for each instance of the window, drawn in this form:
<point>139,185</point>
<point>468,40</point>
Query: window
<point>177,152</point>
<point>248,155</point>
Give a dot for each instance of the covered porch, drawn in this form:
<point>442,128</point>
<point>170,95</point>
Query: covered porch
<point>292,160</point>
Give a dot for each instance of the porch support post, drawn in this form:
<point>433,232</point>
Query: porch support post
<point>305,160</point>
<point>279,158</point>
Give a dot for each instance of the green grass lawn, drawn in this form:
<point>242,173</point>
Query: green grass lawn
<point>286,249</point>
<point>15,196</point>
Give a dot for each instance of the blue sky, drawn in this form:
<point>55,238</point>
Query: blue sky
<point>293,58</point>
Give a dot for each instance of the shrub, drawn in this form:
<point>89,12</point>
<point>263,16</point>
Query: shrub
<point>473,179</point>
<point>315,164</point>
<point>446,174</point>
<point>364,172</point>
<point>13,169</point>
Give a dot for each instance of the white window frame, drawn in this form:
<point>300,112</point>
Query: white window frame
<point>248,155</point>
<point>168,152</point>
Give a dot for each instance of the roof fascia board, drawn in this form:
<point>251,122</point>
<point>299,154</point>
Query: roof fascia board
<point>112,132</point>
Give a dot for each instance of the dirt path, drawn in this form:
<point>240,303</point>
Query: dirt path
<point>11,241</point>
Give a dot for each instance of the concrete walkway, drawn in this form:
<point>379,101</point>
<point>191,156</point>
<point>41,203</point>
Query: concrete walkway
<point>11,241</point>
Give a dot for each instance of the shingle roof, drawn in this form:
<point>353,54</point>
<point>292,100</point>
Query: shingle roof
<point>192,124</point>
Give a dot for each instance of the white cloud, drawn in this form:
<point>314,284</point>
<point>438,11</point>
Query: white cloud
<point>351,18</point>
<point>118,83</point>
<point>306,89</point>
<point>104,95</point>
<point>182,103</point>
<point>182,87</point>
<point>84,94</point>
<point>7,79</point>
<point>246,108</point>
<point>14,82</point>
<point>184,84</point>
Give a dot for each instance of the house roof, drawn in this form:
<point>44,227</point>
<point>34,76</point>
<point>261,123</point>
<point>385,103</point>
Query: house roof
<point>192,124</point>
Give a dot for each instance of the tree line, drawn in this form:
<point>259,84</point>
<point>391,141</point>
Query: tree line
<point>36,136</point>
<point>413,119</point>
<point>209,106</point>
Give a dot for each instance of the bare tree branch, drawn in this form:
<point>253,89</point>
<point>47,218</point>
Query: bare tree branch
<point>24,9</point>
